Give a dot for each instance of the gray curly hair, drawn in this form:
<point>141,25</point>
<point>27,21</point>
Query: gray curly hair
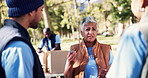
<point>88,19</point>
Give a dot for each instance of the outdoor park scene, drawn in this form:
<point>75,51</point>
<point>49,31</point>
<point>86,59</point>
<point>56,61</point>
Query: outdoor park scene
<point>63,17</point>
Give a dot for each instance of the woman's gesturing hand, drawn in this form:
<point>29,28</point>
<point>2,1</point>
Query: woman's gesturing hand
<point>71,56</point>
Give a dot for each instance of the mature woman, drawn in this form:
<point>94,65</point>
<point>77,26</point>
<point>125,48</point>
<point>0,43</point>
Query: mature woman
<point>133,46</point>
<point>89,59</point>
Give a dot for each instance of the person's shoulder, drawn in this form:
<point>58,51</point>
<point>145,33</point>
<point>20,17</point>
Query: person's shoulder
<point>44,39</point>
<point>52,34</point>
<point>8,29</point>
<point>74,46</point>
<point>105,45</point>
<point>132,29</point>
<point>20,44</point>
<point>56,35</point>
<point>17,47</point>
<point>133,34</point>
<point>102,44</point>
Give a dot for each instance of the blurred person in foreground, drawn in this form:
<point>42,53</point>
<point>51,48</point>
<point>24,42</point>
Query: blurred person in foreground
<point>50,41</point>
<point>18,58</point>
<point>89,59</point>
<point>130,61</point>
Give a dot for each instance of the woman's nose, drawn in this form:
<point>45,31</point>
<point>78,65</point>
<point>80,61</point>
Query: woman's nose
<point>90,31</point>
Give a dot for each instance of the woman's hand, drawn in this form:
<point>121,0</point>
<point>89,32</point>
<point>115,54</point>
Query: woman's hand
<point>71,57</point>
<point>102,72</point>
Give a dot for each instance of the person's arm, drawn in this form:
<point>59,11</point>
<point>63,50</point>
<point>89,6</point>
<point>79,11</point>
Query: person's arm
<point>130,56</point>
<point>111,57</point>
<point>17,60</point>
<point>103,72</point>
<point>68,70</point>
<point>57,46</point>
<point>71,57</point>
<point>40,46</point>
<point>57,43</point>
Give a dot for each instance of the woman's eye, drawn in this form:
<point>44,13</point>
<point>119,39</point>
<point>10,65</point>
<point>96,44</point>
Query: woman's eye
<point>94,29</point>
<point>87,29</point>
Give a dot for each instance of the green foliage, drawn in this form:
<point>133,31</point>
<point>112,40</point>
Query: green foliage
<point>120,10</point>
<point>55,12</point>
<point>3,11</point>
<point>65,17</point>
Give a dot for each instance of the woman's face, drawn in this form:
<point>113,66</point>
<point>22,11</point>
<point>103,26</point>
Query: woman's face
<point>89,32</point>
<point>135,6</point>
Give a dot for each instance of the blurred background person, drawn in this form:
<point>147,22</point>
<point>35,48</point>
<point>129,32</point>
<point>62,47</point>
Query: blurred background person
<point>50,41</point>
<point>132,50</point>
<point>89,59</point>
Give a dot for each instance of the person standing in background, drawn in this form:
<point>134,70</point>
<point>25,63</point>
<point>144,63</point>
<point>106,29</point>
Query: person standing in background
<point>132,51</point>
<point>89,59</point>
<point>18,58</point>
<point>50,41</point>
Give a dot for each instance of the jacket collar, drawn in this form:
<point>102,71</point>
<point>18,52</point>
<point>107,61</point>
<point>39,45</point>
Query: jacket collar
<point>94,46</point>
<point>23,32</point>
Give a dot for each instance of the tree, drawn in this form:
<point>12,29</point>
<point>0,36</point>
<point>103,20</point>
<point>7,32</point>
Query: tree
<point>120,10</point>
<point>64,16</point>
<point>3,11</point>
<point>46,16</point>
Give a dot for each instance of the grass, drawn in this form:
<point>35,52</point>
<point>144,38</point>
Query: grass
<point>112,40</point>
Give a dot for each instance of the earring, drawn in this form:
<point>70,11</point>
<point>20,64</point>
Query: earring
<point>141,9</point>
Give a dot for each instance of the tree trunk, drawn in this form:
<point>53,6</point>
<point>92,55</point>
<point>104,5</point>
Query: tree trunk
<point>76,15</point>
<point>46,17</point>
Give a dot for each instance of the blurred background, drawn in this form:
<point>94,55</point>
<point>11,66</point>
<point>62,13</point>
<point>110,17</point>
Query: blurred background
<point>63,17</point>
